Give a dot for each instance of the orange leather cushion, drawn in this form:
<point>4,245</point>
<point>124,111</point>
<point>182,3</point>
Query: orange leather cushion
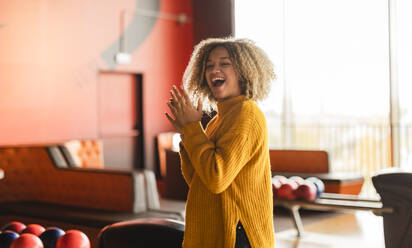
<point>30,175</point>
<point>299,161</point>
<point>84,153</point>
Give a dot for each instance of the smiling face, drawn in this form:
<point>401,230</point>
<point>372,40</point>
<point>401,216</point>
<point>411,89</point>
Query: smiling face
<point>221,76</point>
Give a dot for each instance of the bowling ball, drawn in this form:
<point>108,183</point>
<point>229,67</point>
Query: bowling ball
<point>299,180</point>
<point>14,226</point>
<point>286,190</point>
<point>27,240</point>
<point>320,186</point>
<point>306,191</point>
<point>50,236</point>
<point>275,185</point>
<point>7,237</point>
<point>35,229</point>
<point>73,239</point>
<point>282,179</point>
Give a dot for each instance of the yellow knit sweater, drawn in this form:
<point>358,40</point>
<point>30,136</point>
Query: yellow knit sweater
<point>228,173</point>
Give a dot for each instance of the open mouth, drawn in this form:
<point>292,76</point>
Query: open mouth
<point>218,82</point>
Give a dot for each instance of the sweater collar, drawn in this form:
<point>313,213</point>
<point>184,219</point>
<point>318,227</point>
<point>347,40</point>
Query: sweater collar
<point>226,105</point>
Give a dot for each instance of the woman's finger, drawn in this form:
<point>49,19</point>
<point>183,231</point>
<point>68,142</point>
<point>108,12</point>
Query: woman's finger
<point>177,92</point>
<point>174,99</point>
<point>170,118</point>
<point>185,95</point>
<point>173,109</point>
<point>175,124</point>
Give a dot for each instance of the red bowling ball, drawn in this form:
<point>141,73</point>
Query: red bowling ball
<point>299,180</point>
<point>282,179</point>
<point>275,185</point>
<point>35,229</point>
<point>14,226</point>
<point>306,191</point>
<point>73,239</point>
<point>286,191</point>
<point>27,240</point>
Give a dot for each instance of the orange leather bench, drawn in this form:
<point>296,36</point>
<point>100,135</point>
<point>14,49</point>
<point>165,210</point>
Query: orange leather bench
<point>40,173</point>
<point>83,153</point>
<point>39,186</point>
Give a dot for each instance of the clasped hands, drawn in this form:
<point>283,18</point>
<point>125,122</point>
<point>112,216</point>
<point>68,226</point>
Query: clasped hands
<point>182,109</point>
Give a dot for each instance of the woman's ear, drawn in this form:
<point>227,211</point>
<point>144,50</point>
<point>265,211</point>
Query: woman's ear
<point>243,86</point>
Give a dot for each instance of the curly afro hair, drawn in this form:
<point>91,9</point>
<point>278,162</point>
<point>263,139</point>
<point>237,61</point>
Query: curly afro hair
<point>252,65</point>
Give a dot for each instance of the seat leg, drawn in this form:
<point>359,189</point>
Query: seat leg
<point>297,221</point>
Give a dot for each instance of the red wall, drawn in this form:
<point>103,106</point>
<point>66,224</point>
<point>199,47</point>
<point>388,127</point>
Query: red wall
<point>51,53</point>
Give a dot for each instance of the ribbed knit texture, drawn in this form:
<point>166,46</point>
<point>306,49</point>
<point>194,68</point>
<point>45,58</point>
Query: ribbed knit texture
<point>228,172</point>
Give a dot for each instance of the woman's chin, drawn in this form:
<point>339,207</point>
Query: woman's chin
<point>219,98</point>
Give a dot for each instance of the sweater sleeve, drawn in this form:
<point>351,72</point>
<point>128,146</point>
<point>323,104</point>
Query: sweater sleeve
<point>216,164</point>
<point>187,169</point>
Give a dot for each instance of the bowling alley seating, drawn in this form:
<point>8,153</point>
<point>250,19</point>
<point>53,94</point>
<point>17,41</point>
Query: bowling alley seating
<point>40,173</point>
<point>171,182</point>
<point>151,232</point>
<point>304,163</point>
<point>308,163</point>
<point>39,184</point>
<point>83,153</point>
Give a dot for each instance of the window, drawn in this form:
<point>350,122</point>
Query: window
<point>335,69</point>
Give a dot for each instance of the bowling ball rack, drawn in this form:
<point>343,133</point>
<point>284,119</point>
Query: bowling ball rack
<point>331,202</point>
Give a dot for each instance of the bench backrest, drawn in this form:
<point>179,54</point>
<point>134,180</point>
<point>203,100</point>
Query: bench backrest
<point>38,173</point>
<point>299,161</point>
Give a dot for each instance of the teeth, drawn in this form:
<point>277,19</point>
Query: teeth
<point>218,78</point>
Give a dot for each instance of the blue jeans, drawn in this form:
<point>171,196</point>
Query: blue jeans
<point>241,239</point>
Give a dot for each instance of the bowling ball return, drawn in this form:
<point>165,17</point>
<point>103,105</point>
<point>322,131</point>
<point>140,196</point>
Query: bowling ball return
<point>394,187</point>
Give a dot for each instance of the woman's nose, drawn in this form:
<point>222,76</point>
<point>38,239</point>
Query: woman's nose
<point>216,69</point>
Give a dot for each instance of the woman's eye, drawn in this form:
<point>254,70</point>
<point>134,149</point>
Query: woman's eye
<point>225,64</point>
<point>209,67</point>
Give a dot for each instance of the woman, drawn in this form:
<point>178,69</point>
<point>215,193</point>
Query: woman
<point>227,168</point>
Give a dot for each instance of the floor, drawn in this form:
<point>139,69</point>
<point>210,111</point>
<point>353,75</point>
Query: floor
<point>324,229</point>
<point>327,230</point>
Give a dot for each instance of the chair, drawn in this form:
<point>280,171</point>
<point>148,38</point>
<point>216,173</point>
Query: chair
<point>171,184</point>
<point>166,141</point>
<point>146,233</point>
<point>395,189</point>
